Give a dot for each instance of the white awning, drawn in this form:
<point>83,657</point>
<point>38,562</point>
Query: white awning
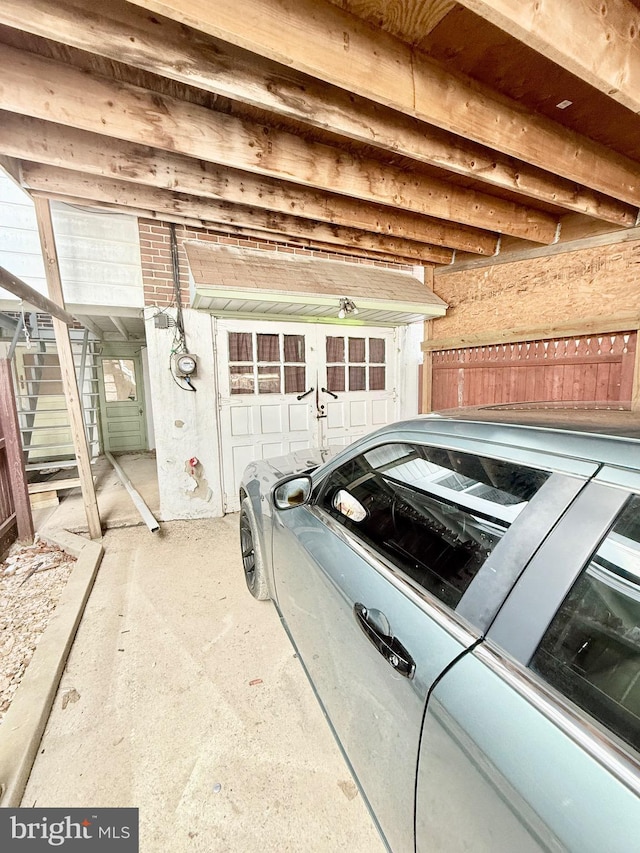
<point>236,282</point>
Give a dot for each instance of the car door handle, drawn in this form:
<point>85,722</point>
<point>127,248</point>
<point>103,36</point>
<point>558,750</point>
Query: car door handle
<point>389,647</point>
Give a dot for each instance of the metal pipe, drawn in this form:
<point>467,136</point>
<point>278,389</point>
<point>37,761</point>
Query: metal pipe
<point>143,509</point>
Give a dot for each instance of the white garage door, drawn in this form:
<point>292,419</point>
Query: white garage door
<point>289,386</point>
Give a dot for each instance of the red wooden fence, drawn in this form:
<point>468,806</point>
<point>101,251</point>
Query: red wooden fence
<point>592,368</point>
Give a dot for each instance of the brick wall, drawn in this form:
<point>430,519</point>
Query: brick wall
<point>155,251</point>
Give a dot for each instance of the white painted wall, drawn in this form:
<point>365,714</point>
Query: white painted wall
<point>148,408</point>
<point>99,252</point>
<point>185,423</point>
<point>409,359</point>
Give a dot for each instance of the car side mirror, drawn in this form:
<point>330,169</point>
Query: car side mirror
<point>292,492</point>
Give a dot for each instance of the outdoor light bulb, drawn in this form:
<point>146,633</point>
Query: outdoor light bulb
<point>355,310</point>
<point>341,313</point>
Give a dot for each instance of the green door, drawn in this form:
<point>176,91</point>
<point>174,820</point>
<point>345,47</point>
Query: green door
<point>122,411</point>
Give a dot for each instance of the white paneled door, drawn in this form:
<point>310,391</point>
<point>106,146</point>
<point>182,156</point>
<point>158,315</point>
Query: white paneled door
<point>286,386</point>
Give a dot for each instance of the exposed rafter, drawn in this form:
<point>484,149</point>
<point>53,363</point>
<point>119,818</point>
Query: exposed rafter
<point>47,89</point>
<point>329,44</point>
<point>62,183</point>
<point>55,145</point>
<point>164,47</point>
<point>324,123</point>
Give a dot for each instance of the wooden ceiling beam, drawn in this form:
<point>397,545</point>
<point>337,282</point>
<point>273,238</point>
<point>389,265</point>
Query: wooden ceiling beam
<point>596,41</point>
<point>63,182</point>
<point>223,230</point>
<point>164,47</point>
<point>55,145</point>
<point>321,40</point>
<point>44,88</point>
<point>12,167</point>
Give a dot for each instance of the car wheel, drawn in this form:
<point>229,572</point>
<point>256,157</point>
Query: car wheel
<point>252,562</point>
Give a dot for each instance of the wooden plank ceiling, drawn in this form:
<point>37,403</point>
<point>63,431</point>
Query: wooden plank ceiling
<point>420,131</point>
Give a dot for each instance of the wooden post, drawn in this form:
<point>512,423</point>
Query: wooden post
<point>67,368</point>
<point>13,449</point>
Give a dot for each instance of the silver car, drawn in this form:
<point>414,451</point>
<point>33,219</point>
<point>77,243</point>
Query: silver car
<point>464,594</point>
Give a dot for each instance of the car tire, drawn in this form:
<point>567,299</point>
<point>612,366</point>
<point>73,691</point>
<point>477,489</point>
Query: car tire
<point>252,560</point>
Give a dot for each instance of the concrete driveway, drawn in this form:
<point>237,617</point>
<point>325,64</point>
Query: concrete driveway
<point>193,708</point>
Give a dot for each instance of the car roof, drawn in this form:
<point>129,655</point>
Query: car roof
<point>606,436</point>
<point>579,418</point>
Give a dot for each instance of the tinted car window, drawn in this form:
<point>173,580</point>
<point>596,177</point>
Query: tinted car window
<point>591,651</point>
<point>436,514</point>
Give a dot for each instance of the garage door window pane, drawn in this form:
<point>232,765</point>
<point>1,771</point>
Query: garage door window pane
<point>376,350</point>
<point>242,379</point>
<point>269,379</point>
<point>376,378</point>
<point>591,652</point>
<point>240,346</point>
<point>335,378</point>
<point>437,515</point>
<point>293,348</point>
<point>335,350</point>
<point>357,350</point>
<point>357,379</point>
<point>294,379</point>
<point>268,348</point>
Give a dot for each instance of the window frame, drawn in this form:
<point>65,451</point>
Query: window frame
<point>255,365</point>
<point>347,364</point>
<point>483,597</point>
<point>564,622</point>
<point>602,502</point>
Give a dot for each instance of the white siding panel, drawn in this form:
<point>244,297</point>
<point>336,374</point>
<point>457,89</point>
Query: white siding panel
<point>19,244</point>
<point>99,256</point>
<point>99,252</point>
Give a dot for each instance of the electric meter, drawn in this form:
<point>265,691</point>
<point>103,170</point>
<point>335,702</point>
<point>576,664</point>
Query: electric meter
<point>185,364</point>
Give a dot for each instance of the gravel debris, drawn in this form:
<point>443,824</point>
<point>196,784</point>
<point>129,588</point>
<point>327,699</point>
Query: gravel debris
<point>32,578</point>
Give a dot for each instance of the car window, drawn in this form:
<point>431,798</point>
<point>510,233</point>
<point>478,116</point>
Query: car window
<point>436,514</point>
<point>591,650</point>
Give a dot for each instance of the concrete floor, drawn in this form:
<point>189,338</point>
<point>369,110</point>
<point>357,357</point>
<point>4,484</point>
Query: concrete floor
<point>193,708</point>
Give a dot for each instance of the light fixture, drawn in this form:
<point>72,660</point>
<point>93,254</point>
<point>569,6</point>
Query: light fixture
<point>347,307</point>
<point>564,104</point>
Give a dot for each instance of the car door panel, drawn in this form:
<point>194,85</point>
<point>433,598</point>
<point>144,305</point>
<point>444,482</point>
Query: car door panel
<point>375,711</point>
<point>549,774</point>
<point>507,776</point>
